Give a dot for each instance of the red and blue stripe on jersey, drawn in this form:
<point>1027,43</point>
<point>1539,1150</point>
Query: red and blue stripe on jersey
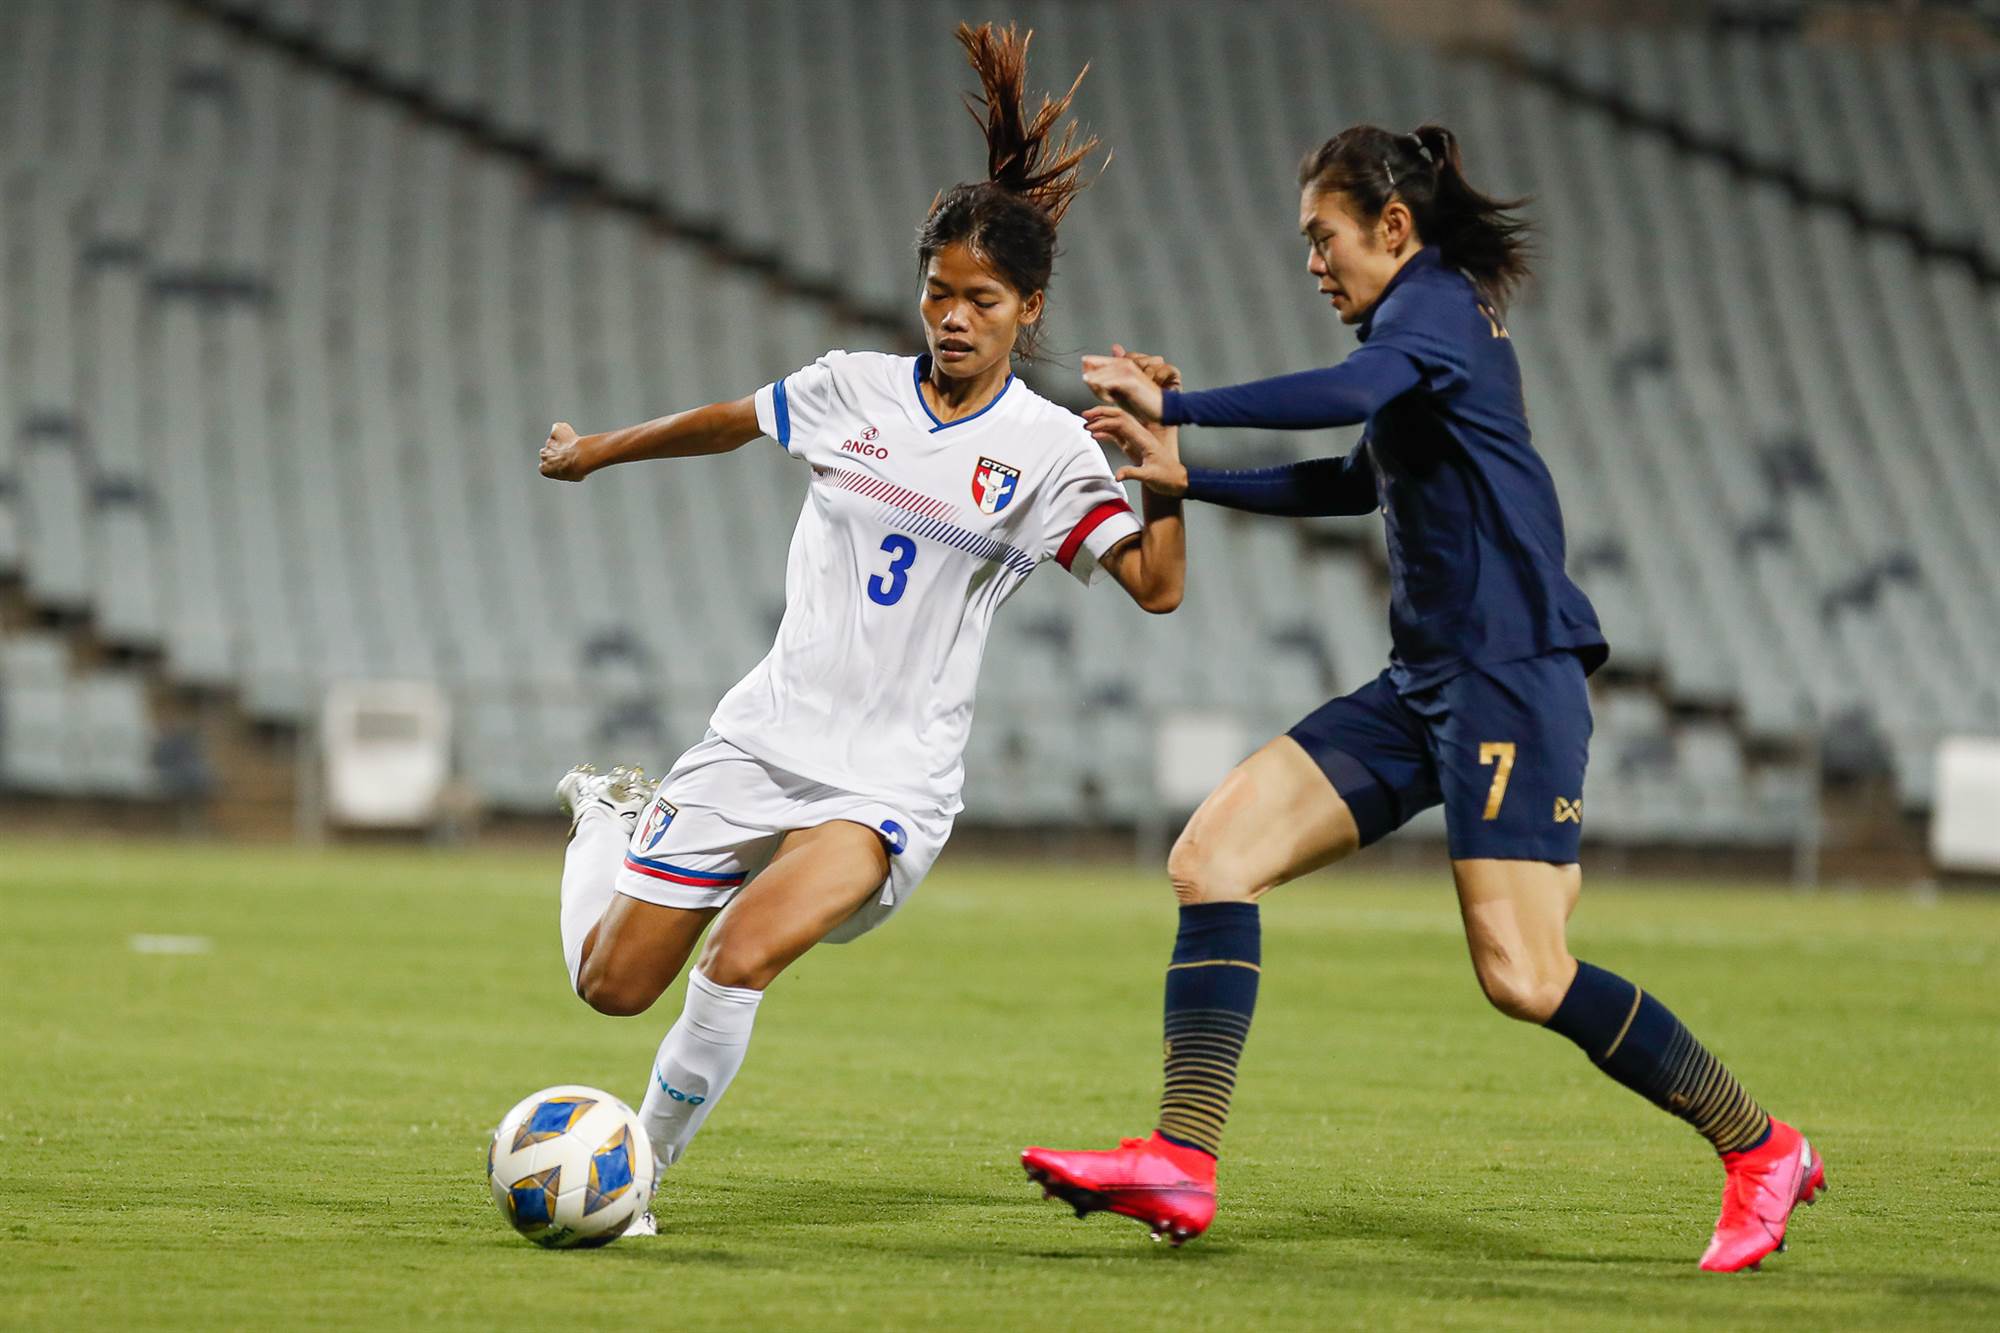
<point>924,516</point>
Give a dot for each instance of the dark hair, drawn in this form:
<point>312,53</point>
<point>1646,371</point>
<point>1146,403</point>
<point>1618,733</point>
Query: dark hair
<point>1474,231</point>
<point>1009,219</point>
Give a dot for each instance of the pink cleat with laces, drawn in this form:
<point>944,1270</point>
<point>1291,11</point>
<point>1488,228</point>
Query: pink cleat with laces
<point>1157,1182</point>
<point>1765,1184</point>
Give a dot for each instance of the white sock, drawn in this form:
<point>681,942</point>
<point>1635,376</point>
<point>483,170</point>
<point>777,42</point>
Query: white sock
<point>590,870</point>
<point>702,1052</point>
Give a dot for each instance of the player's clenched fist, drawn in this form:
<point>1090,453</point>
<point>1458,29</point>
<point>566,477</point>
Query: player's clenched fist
<point>561,458</point>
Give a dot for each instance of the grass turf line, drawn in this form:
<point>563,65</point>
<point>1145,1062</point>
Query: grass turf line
<point>288,1130</point>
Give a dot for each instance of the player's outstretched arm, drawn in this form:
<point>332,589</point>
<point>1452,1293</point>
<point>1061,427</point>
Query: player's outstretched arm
<point>714,429</point>
<point>1315,488</point>
<point>1339,395</point>
<point>1152,566</point>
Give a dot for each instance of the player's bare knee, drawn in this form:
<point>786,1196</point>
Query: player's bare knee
<point>608,993</point>
<point>1521,992</point>
<point>739,964</point>
<point>741,969</point>
<point>1199,875</point>
<point>614,1001</point>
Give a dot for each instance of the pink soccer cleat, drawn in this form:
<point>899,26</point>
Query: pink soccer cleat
<point>1169,1188</point>
<point>1764,1185</point>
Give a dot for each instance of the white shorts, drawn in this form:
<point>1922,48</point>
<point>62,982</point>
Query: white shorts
<point>716,820</point>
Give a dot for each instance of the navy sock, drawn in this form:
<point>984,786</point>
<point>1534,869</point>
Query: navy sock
<point>1211,993</point>
<point>1637,1040</point>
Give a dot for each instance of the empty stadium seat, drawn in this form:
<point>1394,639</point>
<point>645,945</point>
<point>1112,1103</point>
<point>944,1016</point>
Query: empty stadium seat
<point>280,352</point>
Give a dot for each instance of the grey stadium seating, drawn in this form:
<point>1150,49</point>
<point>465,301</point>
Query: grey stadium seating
<point>283,347</point>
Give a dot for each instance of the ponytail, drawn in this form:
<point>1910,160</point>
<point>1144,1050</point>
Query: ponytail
<point>1473,231</point>
<point>1009,220</point>
<point>1019,156</point>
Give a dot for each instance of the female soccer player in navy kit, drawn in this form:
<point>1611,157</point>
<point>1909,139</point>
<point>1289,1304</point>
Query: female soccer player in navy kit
<point>1483,707</point>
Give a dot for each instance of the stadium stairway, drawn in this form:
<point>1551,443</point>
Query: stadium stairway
<point>84,721</point>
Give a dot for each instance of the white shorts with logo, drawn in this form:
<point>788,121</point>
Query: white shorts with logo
<point>716,820</point>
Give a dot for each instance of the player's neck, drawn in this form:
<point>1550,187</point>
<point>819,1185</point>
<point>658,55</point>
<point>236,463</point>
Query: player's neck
<point>952,399</point>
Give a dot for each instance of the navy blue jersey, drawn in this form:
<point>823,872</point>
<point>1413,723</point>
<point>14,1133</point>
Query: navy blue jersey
<point>1475,533</point>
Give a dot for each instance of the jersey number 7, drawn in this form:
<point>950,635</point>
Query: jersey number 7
<point>887,589</point>
<point>1500,754</point>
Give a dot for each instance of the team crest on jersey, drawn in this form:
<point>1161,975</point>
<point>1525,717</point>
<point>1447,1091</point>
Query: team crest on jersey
<point>658,818</point>
<point>993,485</point>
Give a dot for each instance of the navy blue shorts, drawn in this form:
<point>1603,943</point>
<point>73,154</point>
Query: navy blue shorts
<point>1502,747</point>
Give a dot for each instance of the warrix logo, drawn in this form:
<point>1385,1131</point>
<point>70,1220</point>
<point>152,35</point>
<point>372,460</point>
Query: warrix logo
<point>1568,811</point>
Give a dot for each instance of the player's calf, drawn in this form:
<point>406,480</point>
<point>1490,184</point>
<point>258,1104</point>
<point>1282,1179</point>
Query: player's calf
<point>696,1062</point>
<point>1638,1041</point>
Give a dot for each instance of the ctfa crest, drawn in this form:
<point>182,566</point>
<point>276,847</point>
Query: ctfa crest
<point>993,485</point>
<point>657,819</point>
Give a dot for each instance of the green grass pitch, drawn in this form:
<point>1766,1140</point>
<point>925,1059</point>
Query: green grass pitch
<point>288,1129</point>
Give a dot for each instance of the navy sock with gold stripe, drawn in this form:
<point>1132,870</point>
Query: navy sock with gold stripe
<point>1211,993</point>
<point>1637,1040</point>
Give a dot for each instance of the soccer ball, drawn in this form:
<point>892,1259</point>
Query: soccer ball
<point>570,1166</point>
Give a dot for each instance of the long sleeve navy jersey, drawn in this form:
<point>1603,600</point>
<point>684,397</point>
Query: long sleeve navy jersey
<point>1475,533</point>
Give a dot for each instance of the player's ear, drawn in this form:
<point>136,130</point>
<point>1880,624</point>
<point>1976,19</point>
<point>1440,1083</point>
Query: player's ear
<point>1031,309</point>
<point>1396,227</point>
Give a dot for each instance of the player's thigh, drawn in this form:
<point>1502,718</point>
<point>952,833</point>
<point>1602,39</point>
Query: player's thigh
<point>1343,777</point>
<point>819,877</point>
<point>1273,818</point>
<point>1516,916</point>
<point>1512,742</point>
<point>635,953</point>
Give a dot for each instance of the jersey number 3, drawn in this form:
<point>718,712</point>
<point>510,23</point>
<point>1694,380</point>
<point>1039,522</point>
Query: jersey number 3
<point>887,589</point>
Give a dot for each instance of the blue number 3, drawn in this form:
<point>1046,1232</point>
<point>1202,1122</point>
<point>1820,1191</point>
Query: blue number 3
<point>887,591</point>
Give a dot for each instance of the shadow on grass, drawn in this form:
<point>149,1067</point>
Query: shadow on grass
<point>746,1223</point>
<point>664,1251</point>
<point>1947,1288</point>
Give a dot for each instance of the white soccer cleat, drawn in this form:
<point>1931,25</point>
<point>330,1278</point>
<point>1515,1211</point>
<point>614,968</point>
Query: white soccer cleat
<point>643,1225</point>
<point>623,792</point>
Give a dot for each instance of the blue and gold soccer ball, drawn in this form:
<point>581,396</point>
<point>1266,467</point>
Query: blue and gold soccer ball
<point>570,1167</point>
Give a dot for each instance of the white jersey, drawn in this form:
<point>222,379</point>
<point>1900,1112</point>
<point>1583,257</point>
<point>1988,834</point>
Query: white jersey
<point>913,534</point>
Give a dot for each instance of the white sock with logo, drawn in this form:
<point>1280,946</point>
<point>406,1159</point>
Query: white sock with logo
<point>702,1052</point>
<point>590,872</point>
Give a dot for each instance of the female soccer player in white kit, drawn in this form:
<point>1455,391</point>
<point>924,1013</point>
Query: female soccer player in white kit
<point>830,775</point>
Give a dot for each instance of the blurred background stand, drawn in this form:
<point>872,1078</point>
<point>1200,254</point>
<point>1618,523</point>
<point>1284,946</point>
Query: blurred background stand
<point>1192,752</point>
<point>386,752</point>
<point>1965,822</point>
